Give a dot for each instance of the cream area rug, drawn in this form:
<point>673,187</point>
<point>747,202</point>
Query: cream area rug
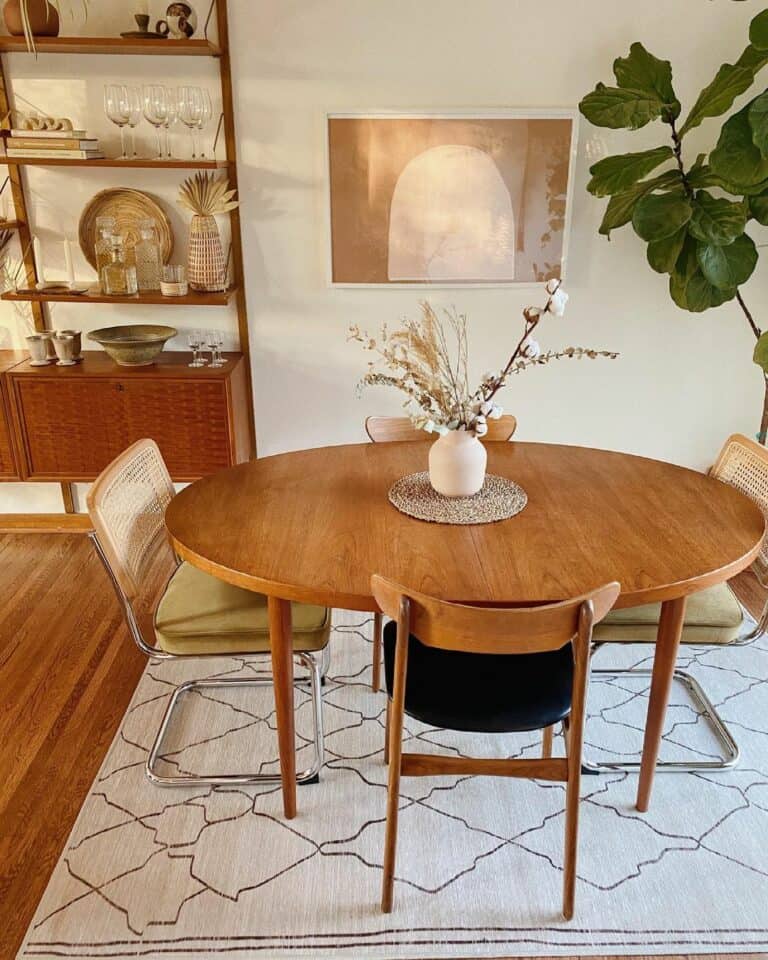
<point>210,873</point>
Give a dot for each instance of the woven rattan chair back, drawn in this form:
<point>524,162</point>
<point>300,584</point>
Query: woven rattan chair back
<point>386,429</point>
<point>127,508</point>
<point>743,464</point>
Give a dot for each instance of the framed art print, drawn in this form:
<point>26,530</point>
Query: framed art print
<point>450,199</point>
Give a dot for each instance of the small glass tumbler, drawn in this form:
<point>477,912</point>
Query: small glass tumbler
<point>173,281</point>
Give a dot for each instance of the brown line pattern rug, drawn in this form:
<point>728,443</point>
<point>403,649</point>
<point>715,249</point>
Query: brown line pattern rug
<point>211,873</point>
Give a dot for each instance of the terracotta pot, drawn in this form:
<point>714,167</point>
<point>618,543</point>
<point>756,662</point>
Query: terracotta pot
<point>457,462</point>
<point>43,18</point>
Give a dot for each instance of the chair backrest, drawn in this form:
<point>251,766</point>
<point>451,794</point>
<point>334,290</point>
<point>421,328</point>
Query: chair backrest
<point>743,464</point>
<point>385,429</point>
<point>127,508</point>
<point>455,626</point>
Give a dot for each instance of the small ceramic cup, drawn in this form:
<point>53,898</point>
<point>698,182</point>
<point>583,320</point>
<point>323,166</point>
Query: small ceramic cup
<point>65,349</point>
<point>48,336</point>
<point>78,337</point>
<point>38,350</point>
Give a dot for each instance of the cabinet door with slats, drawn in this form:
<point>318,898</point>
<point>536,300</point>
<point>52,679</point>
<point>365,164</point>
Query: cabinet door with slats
<point>189,421</point>
<point>9,469</point>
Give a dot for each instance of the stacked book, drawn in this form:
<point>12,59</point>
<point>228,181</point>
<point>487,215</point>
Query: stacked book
<point>52,144</point>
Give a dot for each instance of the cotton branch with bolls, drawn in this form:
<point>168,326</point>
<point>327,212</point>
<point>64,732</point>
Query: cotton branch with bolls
<point>418,360</point>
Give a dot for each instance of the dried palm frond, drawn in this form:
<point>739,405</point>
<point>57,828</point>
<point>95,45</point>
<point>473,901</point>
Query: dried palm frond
<point>205,196</point>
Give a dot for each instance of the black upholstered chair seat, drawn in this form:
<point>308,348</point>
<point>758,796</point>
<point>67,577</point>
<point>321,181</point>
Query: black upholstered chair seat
<point>486,693</point>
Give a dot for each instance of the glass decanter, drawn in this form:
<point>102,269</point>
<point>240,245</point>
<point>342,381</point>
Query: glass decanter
<point>148,261</point>
<point>105,230</point>
<point>117,278</point>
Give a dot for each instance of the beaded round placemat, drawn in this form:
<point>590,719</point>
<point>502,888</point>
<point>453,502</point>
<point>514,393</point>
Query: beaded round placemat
<point>498,499</point>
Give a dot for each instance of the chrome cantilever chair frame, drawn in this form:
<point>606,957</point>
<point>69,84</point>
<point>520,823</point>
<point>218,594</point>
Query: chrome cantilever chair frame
<point>313,664</point>
<point>744,464</point>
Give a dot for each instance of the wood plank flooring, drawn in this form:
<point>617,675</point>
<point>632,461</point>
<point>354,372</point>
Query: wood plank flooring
<point>67,672</point>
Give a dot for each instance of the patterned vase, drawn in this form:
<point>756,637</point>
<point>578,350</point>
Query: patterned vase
<point>43,18</point>
<point>457,462</point>
<point>206,265</point>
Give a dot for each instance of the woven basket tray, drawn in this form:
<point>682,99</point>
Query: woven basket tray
<point>128,208</point>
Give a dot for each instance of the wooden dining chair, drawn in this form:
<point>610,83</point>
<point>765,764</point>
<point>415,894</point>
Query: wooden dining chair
<point>488,670</point>
<point>198,616</point>
<point>393,429</point>
<point>713,617</point>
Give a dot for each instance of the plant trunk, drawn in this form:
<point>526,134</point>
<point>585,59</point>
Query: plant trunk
<point>764,422</point>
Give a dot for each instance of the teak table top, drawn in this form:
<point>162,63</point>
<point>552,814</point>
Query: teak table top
<point>313,526</point>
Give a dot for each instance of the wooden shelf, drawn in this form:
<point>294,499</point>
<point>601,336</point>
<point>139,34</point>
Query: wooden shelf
<point>192,299</point>
<point>136,164</point>
<point>112,45</point>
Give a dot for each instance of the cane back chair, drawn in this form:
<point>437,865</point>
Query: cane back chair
<point>712,617</point>
<point>391,429</point>
<point>488,670</point>
<point>198,616</point>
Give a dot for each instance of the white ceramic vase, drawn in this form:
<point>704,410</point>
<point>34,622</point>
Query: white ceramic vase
<point>457,462</point>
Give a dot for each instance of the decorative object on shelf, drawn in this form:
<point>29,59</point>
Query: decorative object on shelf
<point>118,278</point>
<point>417,359</point>
<point>65,346</point>
<point>697,237</point>
<point>446,198</point>
<point>105,230</point>
<point>142,22</point>
<point>206,196</point>
<point>134,345</point>
<point>37,251</point>
<point>180,22</point>
<point>46,138</point>
<point>78,341</point>
<point>47,335</point>
<point>34,123</point>
<point>498,499</point>
<point>127,208</point>
<point>36,18</point>
<point>174,281</point>
<point>38,350</point>
<point>148,261</point>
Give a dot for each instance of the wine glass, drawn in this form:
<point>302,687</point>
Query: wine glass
<point>206,112</point>
<point>156,110</point>
<point>171,118</point>
<point>195,341</point>
<point>214,343</point>
<point>134,115</point>
<point>117,108</point>
<point>190,107</point>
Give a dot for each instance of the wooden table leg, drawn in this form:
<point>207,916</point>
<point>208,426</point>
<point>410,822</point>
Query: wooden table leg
<point>281,641</point>
<point>665,658</point>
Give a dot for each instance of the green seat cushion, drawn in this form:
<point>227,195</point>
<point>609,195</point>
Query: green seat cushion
<point>200,614</point>
<point>712,616</point>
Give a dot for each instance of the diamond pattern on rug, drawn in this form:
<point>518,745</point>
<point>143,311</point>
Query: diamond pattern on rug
<point>208,872</point>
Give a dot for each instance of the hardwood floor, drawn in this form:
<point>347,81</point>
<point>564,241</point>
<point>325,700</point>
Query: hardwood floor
<point>67,672</point>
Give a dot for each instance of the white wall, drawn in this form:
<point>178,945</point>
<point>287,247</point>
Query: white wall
<point>683,381</point>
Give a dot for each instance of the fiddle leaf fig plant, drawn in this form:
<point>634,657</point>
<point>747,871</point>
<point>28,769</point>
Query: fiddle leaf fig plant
<point>694,217</point>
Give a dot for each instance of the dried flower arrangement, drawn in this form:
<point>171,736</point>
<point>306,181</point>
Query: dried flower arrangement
<point>206,197</point>
<point>418,360</point>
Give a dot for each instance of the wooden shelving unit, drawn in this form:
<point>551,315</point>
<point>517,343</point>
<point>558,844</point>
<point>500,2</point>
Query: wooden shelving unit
<point>120,46</point>
<point>114,45</point>
<point>140,164</point>
<point>192,299</point>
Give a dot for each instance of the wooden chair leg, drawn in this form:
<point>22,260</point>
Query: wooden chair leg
<point>546,742</point>
<point>386,733</point>
<point>377,627</point>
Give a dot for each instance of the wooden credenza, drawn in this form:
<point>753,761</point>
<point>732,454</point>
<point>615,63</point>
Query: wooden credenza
<point>70,422</point>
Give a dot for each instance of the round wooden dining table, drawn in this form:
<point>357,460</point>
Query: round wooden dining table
<point>314,525</point>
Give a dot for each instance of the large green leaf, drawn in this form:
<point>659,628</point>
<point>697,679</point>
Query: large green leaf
<point>753,59</point>
<point>663,254</point>
<point>717,98</point>
<point>616,108</point>
<point>736,158</point>
<point>615,174</point>
<point>621,205</point>
<point>688,286</point>
<point>659,215</point>
<point>758,208</point>
<point>760,356</point>
<point>729,266</point>
<point>716,220</point>
<point>758,121</point>
<point>644,72</point>
<point>758,31</point>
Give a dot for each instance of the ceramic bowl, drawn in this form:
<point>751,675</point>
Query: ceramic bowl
<point>136,345</point>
